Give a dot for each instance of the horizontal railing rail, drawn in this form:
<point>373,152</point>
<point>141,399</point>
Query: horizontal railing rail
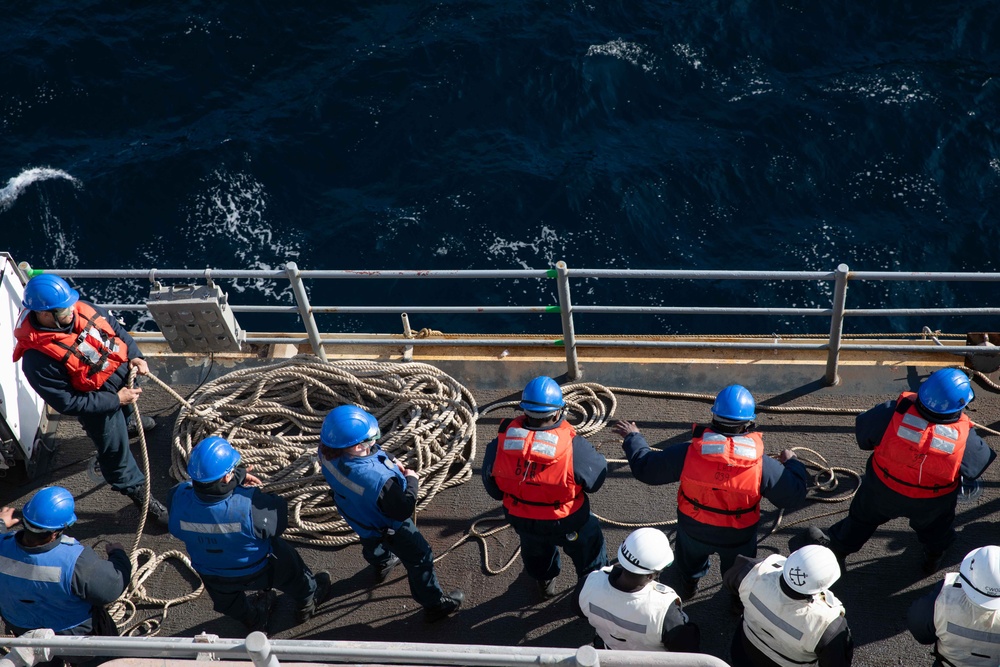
<point>41,645</point>
<point>567,338</point>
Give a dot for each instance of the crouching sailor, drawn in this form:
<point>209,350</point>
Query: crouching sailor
<point>232,532</point>
<point>628,609</point>
<point>790,617</point>
<point>961,615</point>
<point>50,580</point>
<point>376,494</point>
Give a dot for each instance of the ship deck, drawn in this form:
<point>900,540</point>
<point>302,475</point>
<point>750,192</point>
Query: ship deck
<point>880,583</point>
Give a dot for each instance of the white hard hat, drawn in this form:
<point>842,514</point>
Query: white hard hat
<point>811,569</point>
<point>980,576</point>
<point>645,551</point>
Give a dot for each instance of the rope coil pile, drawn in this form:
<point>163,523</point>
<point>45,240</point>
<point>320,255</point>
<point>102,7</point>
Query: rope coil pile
<point>273,415</point>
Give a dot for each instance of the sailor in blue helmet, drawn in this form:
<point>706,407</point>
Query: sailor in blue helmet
<point>50,580</point>
<point>542,471</point>
<point>77,357</point>
<point>717,514</point>
<point>922,445</point>
<point>376,495</point>
<point>232,532</point>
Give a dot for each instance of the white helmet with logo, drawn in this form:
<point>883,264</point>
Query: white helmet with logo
<point>980,576</point>
<point>811,569</point>
<point>645,551</point>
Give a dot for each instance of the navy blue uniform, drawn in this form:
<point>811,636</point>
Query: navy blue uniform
<point>100,413</point>
<point>372,495</point>
<point>782,484</point>
<point>579,534</point>
<point>247,553</point>
<point>86,582</point>
<point>875,503</point>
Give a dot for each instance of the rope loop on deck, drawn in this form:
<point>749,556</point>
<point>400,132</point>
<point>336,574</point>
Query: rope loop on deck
<point>273,415</point>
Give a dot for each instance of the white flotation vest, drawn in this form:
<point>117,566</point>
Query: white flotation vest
<point>784,629</point>
<point>626,621</point>
<point>968,635</point>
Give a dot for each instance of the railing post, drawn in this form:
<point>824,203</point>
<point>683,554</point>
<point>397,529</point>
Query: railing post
<point>566,310</point>
<point>259,649</point>
<point>837,324</point>
<point>305,309</point>
<point>586,656</point>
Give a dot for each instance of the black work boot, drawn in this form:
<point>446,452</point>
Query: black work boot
<point>157,510</point>
<point>815,535</point>
<point>382,571</point>
<point>931,562</point>
<point>449,605</point>
<point>547,587</point>
<point>148,424</point>
<point>260,605</point>
<point>322,594</point>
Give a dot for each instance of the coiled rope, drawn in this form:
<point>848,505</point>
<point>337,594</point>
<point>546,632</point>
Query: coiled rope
<point>273,415</point>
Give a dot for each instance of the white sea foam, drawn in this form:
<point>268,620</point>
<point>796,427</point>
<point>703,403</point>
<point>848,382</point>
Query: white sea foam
<point>232,211</point>
<point>630,52</point>
<point>548,245</point>
<point>17,185</point>
<point>885,88</point>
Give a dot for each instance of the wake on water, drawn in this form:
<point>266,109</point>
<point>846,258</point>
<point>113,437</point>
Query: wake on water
<point>17,185</point>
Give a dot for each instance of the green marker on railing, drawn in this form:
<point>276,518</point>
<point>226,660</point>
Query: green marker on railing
<point>552,273</point>
<point>559,342</point>
<point>28,271</point>
<point>553,309</point>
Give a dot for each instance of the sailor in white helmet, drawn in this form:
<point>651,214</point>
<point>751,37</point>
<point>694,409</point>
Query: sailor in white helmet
<point>961,615</point>
<point>790,617</point>
<point>628,608</point>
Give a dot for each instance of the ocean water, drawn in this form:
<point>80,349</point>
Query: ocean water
<point>757,134</point>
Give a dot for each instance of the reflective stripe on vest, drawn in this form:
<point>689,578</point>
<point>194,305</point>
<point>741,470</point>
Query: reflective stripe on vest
<point>356,482</point>
<point>38,587</point>
<point>917,458</point>
<point>630,621</point>
<point>967,635</point>
<point>534,469</point>
<point>784,629</point>
<point>90,351</point>
<point>219,536</point>
<point>720,480</point>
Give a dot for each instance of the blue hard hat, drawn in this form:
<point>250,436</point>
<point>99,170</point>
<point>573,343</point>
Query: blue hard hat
<point>52,508</point>
<point>212,459</point>
<point>946,391</point>
<point>348,425</point>
<point>543,394</point>
<point>48,292</point>
<point>736,403</point>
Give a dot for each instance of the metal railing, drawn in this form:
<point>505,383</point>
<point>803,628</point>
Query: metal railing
<point>567,339</point>
<point>42,645</point>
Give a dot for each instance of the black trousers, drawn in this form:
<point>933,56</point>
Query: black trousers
<point>285,570</point>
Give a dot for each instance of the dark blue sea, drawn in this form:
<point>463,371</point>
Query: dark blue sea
<point>763,134</point>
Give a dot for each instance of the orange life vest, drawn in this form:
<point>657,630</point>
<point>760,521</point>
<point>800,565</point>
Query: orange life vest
<point>720,480</point>
<point>90,350</point>
<point>534,469</point>
<point>918,458</point>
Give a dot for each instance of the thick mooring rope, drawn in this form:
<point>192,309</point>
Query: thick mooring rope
<point>123,610</point>
<point>273,415</point>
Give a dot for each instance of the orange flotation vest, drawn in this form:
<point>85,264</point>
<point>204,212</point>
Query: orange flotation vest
<point>720,480</point>
<point>918,458</point>
<point>534,469</point>
<point>91,350</point>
